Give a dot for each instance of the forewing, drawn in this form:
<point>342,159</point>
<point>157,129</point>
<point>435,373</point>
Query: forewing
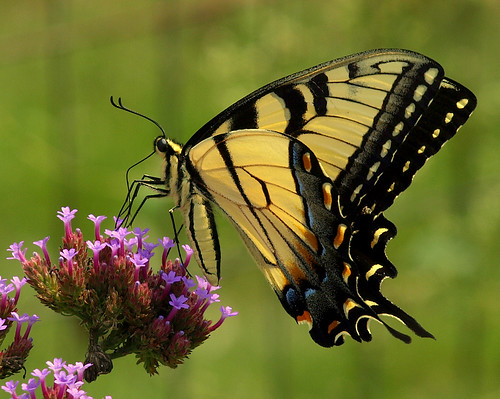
<point>371,119</point>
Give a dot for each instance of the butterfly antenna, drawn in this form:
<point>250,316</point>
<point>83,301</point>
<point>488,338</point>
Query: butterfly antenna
<point>124,108</point>
<point>126,207</point>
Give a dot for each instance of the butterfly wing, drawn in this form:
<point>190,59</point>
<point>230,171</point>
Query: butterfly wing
<point>362,115</point>
<point>286,210</point>
<point>202,233</point>
<point>367,123</point>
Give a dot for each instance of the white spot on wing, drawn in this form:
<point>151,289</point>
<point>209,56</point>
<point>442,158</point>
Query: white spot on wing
<point>385,148</point>
<point>372,170</point>
<point>410,109</point>
<point>394,67</point>
<point>372,271</point>
<point>377,235</point>
<point>462,103</point>
<point>419,92</point>
<point>430,75</point>
<point>398,128</point>
<point>356,192</point>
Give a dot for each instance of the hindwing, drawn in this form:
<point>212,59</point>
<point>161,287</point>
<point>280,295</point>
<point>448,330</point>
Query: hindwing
<point>286,210</point>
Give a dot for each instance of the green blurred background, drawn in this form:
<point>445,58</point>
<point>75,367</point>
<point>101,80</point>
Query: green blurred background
<point>181,62</point>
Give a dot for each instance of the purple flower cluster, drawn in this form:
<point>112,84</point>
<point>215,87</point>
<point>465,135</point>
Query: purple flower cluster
<point>126,306</point>
<point>68,381</point>
<point>13,358</point>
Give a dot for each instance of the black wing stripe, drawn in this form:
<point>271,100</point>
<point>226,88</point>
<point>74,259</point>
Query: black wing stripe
<point>246,119</point>
<point>296,105</point>
<point>318,86</point>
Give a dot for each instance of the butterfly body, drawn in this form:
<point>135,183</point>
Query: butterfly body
<point>304,168</point>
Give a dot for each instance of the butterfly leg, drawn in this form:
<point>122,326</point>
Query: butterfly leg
<point>152,182</point>
<point>176,232</point>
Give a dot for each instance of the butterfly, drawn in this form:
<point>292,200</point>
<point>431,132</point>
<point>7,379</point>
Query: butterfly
<point>304,168</point>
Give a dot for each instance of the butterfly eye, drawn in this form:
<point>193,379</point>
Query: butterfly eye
<point>161,145</point>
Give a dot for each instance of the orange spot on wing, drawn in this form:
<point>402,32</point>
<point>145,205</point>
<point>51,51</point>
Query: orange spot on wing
<point>333,325</point>
<point>348,305</point>
<point>305,318</point>
<point>327,195</point>
<point>306,161</point>
<point>346,272</point>
<point>339,238</point>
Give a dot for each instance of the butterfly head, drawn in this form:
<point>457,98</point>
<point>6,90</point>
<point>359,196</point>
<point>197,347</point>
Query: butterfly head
<point>166,147</point>
<point>170,152</point>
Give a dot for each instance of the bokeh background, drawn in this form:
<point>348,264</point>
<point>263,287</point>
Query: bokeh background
<point>181,62</point>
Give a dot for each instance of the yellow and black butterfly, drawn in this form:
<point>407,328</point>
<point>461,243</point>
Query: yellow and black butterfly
<point>304,168</point>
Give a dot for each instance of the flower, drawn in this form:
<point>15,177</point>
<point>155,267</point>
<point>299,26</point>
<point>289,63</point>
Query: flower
<point>43,245</point>
<point>138,262</point>
<point>10,387</point>
<point>96,247</point>
<point>66,215</point>
<point>31,386</point>
<point>189,253</point>
<point>18,283</point>
<point>13,357</point>
<point>67,383</point>
<point>166,243</point>
<point>226,311</point>
<point>177,304</point>
<point>17,252</point>
<point>109,283</point>
<point>97,223</point>
<point>141,235</point>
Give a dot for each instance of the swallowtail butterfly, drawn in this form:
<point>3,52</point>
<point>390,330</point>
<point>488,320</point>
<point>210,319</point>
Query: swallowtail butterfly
<point>304,168</point>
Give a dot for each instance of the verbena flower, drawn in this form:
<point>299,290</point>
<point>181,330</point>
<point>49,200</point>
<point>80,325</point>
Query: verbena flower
<point>67,382</point>
<point>127,307</point>
<point>13,357</point>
